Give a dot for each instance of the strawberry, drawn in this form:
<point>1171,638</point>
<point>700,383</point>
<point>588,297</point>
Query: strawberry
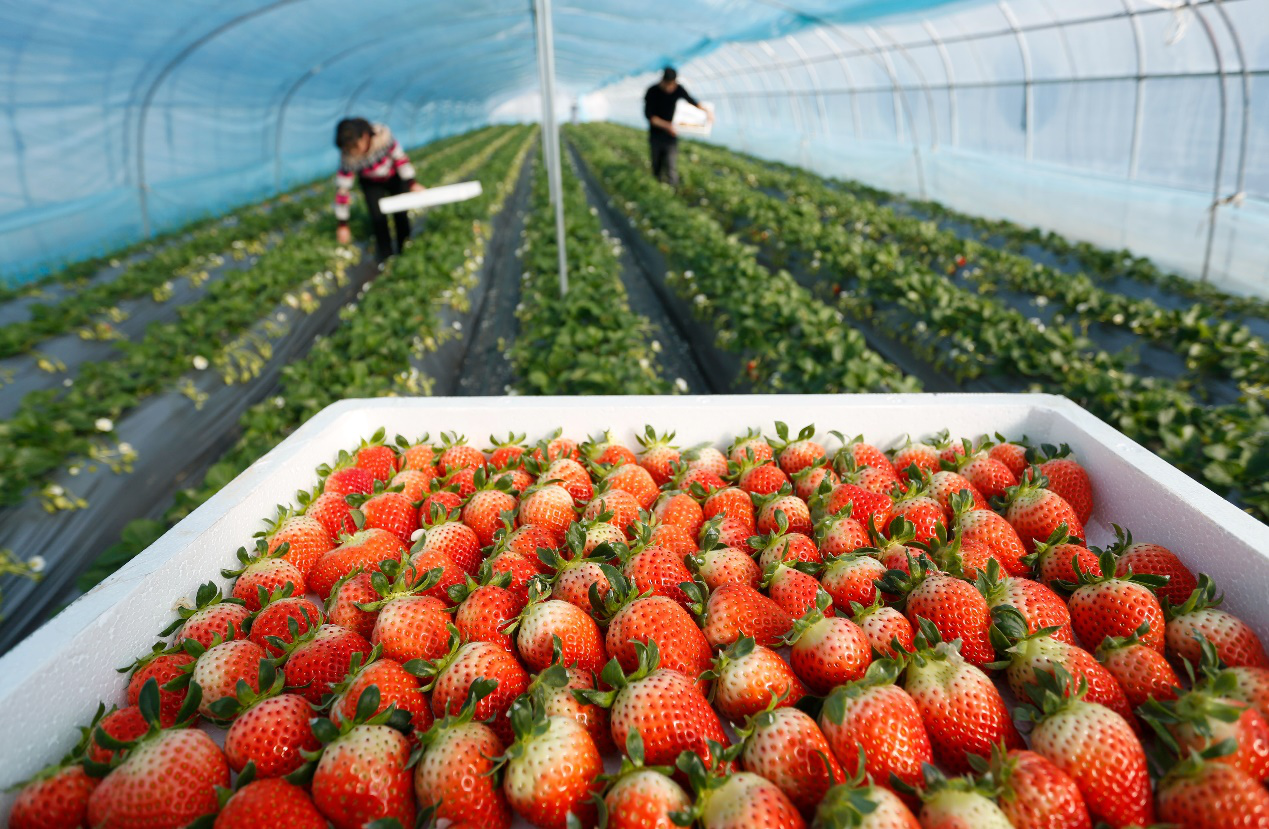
<point>1094,746</point>
<point>389,511</point>
<point>270,802</point>
<point>504,453</point>
<point>223,669</point>
<point>657,570</point>
<point>838,534</point>
<point>554,447</point>
<point>598,532</point>
<point>483,509</point>
<point>270,729</point>
<point>737,801</point>
<point>874,726</point>
<point>671,713</point>
<point>450,678</point>
<point>327,518</point>
<point>484,610</point>
<point>858,453</point>
<point>521,570</point>
<point>455,769</point>
<point>785,746</point>
<point>167,778</point>
<point>675,538</point>
<point>212,618</point>
<point>852,577</point>
<point>1038,605</point>
<point>944,484</point>
<point>1205,716</point>
<point>750,445</point>
<point>1141,671</point>
<point>858,805</point>
<point>1199,793</point>
<point>732,502</point>
<point>456,454</point>
<point>344,607</point>
<point>1025,655</point>
<point>376,457</point>
<point>55,798</point>
<point>677,508</point>
<point>883,625</point>
<point>634,479</point>
<point>951,449</point>
<point>827,651</point>
<point>551,770</point>
<point>793,589</point>
<point>950,605</point>
<point>119,726</point>
<point>795,455</point>
<point>1012,455</point>
<point>986,527</point>
<point>759,477</point>
<point>574,576</point>
<point>411,624</point>
<point>163,663</point>
<point>988,475</point>
<point>573,477</point>
<point>1103,606</point>
<point>553,691</point>
<point>797,515</point>
<point>1154,560</point>
<point>1067,478</point>
<point>397,687</point>
<point>876,479</point>
<point>518,478</point>
<point>706,458</point>
<point>549,506</point>
<point>918,454</point>
<point>620,506</point>
<point>635,616</point>
<point>543,620</point>
<point>748,678</point>
<point>362,772</point>
<point>417,454</point>
<point>1032,792</point>
<point>865,506</point>
<point>456,540</point>
<point>1199,618</point>
<point>364,549</point>
<point>345,479</point>
<point>962,710</point>
<point>808,481</point>
<point>445,500</point>
<point>736,610</point>
<point>608,451</point>
<point>1061,558</point>
<point>641,797</point>
<point>320,658</point>
<point>1035,511</point>
<point>957,803</point>
<point>261,574</point>
<point>657,455</point>
<point>275,620</point>
<point>925,513</point>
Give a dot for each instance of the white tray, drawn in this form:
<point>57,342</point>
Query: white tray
<point>52,682</point>
<point>431,197</point>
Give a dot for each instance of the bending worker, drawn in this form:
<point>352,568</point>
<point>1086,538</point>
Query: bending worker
<point>658,107</point>
<point>370,155</point>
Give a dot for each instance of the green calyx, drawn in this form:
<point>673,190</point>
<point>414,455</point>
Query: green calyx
<point>269,681</point>
<point>1201,709</point>
<point>208,595</point>
<point>621,594</point>
<point>612,676</point>
<point>395,580</point>
<point>261,553</point>
<point>741,648</point>
<point>327,732</point>
<point>1052,691</point>
<point>703,779</point>
<point>810,619</point>
<point>880,672</point>
<point>430,670</point>
<point>846,805</point>
<point>1203,597</point>
<point>783,441</point>
<point>356,667</point>
<point>479,689</point>
<point>148,704</point>
<point>1058,537</point>
<point>1106,562</point>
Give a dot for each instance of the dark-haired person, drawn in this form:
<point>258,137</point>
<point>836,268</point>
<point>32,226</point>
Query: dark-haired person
<point>658,107</point>
<point>370,156</point>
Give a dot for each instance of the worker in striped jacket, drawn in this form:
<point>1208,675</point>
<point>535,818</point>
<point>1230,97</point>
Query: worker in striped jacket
<point>371,156</point>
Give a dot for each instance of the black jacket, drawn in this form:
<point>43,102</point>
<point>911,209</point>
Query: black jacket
<point>659,103</point>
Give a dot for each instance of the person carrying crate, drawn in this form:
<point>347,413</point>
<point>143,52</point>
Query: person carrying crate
<point>658,107</point>
<point>371,156</point>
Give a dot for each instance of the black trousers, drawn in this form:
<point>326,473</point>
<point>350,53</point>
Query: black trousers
<point>373,191</point>
<point>665,157</point>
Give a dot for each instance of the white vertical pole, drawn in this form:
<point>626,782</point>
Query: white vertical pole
<point>550,129</point>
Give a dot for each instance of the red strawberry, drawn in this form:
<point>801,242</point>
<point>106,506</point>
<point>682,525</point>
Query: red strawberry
<point>484,508</point>
<point>620,506</point>
<point>808,481</point>
<point>793,590</point>
<point>675,538</point>
<point>575,576</point>
<point>270,729</point>
<point>1203,794</point>
<point>1034,793</point>
<point>1068,479</point>
<point>633,479</point>
<point>553,691</point>
<point>520,569</point>
<point>56,798</point>
<point>732,502</point>
<point>552,770</point>
<point>988,475</point>
<point>548,506</point>
<point>418,454</point>
<point>986,527</point>
<point>597,533</point>
<point>573,477</point>
<point>261,574</point>
<point>852,578</point>
<point>503,453</point>
<point>167,780</point>
<point>752,443</point>
<point>659,571</point>
<point>1204,717</point>
<point>859,453</point>
<point>707,458</point>
<point>672,715</point>
<point>363,771</point>
<point>748,678</point>
<point>122,725</point>
<point>608,451</point>
<point>212,618</point>
<point>439,505</point>
<point>1095,747</point>
<point>961,708</point>
<point>1061,558</point>
<point>1200,617</point>
<point>636,617</point>
<point>959,802</point>
<point>221,669</point>
<point>736,610</point>
<point>345,480</point>
<point>343,608</point>
<point>641,797</point>
<point>827,651</point>
<point>456,454</point>
<point>1103,606</point>
<point>544,620</point>
<point>950,605</point>
<point>742,799</point>
<point>455,776</point>
<point>921,455</point>
<point>658,455</point>
<point>556,447</point>
<point>390,511</point>
<point>451,574</point>
<point>411,624</point>
<point>327,518</point>
<point>1141,671</point>
<point>456,541</point>
<point>856,805</point>
<point>865,506</point>
<point>163,663</point>
<point>797,454</point>
<point>760,478</point>
<point>679,509</point>
<point>376,457</point>
<point>274,802</point>
<point>797,515</point>
<point>1154,560</point>
<point>838,534</point>
<point>396,686</point>
<point>451,677</point>
<point>485,610</point>
<point>787,747</point>
<point>318,660</point>
<point>1038,606</point>
<point>879,717</point>
<point>1012,455</point>
<point>1036,512</point>
<point>944,484</point>
<point>883,625</point>
<point>365,549</point>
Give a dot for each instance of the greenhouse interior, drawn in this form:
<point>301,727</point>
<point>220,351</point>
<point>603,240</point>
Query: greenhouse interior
<point>572,413</point>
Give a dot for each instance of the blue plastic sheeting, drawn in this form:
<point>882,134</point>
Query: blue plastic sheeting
<point>1137,124</point>
<point>122,119</point>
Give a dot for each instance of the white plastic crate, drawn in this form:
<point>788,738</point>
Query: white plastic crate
<point>52,682</point>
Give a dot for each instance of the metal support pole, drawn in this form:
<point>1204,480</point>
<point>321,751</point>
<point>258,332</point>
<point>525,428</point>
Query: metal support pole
<point>550,129</point>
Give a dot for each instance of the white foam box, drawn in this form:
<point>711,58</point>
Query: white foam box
<point>53,681</point>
